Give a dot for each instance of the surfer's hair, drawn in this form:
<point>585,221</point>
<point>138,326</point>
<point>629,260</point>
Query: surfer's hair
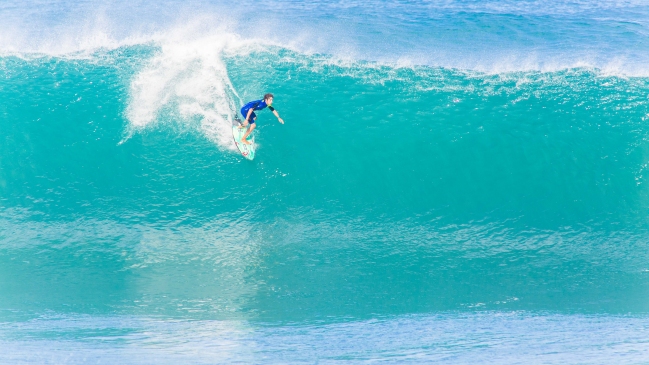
<point>268,96</point>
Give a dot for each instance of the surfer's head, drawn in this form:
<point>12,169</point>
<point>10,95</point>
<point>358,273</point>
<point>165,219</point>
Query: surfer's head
<point>268,98</point>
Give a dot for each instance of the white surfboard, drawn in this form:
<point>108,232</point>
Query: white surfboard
<point>247,150</point>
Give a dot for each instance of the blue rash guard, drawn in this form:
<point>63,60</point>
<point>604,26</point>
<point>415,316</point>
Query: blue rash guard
<point>254,105</point>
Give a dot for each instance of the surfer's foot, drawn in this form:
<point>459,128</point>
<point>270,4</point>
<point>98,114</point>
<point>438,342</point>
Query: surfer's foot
<point>245,141</point>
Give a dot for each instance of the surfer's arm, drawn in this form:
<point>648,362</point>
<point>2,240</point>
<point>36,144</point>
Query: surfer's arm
<point>276,114</point>
<point>248,114</point>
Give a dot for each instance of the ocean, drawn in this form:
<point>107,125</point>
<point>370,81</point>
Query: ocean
<point>456,182</point>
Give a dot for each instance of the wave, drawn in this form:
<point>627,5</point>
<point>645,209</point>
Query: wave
<point>192,80</point>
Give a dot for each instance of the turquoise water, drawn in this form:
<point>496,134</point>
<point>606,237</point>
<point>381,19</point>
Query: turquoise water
<point>457,182</point>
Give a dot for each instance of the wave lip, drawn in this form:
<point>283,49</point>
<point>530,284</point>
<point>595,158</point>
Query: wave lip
<point>492,37</point>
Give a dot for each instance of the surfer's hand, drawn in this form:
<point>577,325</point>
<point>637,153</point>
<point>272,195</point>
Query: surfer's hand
<point>280,120</point>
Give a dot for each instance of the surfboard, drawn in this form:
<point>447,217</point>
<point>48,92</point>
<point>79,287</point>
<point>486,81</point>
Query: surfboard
<point>247,150</point>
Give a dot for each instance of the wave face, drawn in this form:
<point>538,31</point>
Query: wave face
<point>441,165</point>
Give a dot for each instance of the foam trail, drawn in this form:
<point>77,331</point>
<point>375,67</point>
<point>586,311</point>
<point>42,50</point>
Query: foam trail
<point>188,83</point>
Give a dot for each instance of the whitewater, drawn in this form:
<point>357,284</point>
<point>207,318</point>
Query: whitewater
<point>456,182</point>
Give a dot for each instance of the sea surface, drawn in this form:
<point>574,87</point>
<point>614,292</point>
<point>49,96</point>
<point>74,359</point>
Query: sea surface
<point>457,182</point>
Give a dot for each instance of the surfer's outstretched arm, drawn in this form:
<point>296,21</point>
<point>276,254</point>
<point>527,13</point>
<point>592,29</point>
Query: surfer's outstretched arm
<point>278,118</point>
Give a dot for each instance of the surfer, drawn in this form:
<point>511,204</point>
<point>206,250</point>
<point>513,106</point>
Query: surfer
<point>248,112</point>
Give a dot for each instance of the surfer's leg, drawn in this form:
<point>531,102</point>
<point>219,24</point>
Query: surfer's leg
<point>244,123</point>
<point>252,127</point>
